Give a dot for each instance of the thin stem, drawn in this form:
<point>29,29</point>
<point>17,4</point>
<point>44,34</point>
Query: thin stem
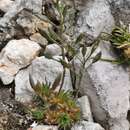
<point>80,77</point>
<point>74,4</point>
<point>64,70</point>
<point>113,61</point>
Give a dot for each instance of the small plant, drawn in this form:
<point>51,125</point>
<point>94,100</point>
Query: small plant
<point>57,108</point>
<point>64,120</point>
<point>120,40</point>
<point>57,33</point>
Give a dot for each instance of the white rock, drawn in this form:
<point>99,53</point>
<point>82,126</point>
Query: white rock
<point>95,17</point>
<point>84,125</point>
<point>84,105</point>
<point>5,5</point>
<point>41,69</point>
<point>34,5</point>
<point>120,124</point>
<point>53,50</point>
<point>48,69</point>
<point>17,54</point>
<point>23,89</point>
<point>105,83</point>
<point>45,127</point>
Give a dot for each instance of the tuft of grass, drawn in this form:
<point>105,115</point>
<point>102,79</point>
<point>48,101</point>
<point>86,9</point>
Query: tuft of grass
<point>64,120</point>
<point>120,40</point>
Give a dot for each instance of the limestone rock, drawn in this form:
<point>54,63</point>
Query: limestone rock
<point>84,125</point>
<point>5,5</point>
<point>34,5</point>
<point>105,83</point>
<point>45,127</point>
<point>121,10</point>
<point>17,54</point>
<point>84,105</point>
<point>48,69</point>
<point>30,23</point>
<point>95,17</point>
<point>53,50</point>
<point>37,37</point>
<point>23,89</point>
<point>42,69</point>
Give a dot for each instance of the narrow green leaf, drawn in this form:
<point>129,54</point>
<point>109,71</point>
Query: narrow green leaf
<point>84,50</point>
<point>56,82</point>
<point>79,38</point>
<point>65,11</point>
<point>65,64</point>
<point>97,57</point>
<point>46,35</point>
<point>53,35</point>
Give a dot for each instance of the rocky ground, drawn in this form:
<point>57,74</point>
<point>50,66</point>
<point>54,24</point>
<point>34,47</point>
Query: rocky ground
<point>105,87</point>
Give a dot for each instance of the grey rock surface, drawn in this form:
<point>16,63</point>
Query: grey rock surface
<point>30,23</point>
<point>42,70</point>
<point>5,5</point>
<point>37,37</point>
<point>16,55</point>
<point>105,83</point>
<point>84,125</point>
<point>23,89</point>
<point>53,50</point>
<point>85,108</point>
<point>94,18</point>
<point>48,69</point>
<point>17,6</point>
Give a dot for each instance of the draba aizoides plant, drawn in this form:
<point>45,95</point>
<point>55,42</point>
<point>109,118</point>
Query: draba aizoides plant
<point>54,108</point>
<point>59,107</point>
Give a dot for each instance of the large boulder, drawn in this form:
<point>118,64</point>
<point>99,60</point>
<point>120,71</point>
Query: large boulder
<point>16,55</point>
<point>94,18</point>
<point>104,82</point>
<point>121,10</point>
<point>42,70</point>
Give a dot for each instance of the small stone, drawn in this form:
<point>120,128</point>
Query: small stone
<point>84,105</point>
<point>53,50</point>
<point>37,37</point>
<point>23,89</point>
<point>45,127</point>
<point>84,125</point>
